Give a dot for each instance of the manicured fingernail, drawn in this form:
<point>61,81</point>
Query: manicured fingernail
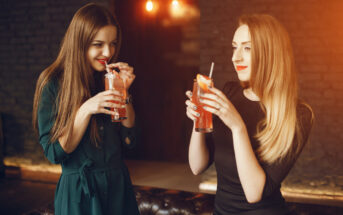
<point>191,94</point>
<point>197,114</point>
<point>194,107</point>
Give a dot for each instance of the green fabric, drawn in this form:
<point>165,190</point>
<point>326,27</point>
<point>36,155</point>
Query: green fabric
<point>94,180</point>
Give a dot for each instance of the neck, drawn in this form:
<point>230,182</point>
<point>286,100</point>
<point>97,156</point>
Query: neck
<point>249,94</point>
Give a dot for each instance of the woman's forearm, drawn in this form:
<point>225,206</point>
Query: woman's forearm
<point>251,174</point>
<point>80,125</point>
<point>198,154</point>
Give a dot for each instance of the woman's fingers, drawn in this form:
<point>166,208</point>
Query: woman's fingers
<point>211,103</point>
<point>117,65</point>
<point>217,92</point>
<point>192,114</point>
<point>191,110</point>
<point>111,92</point>
<point>191,105</point>
<point>189,94</point>
<point>123,67</point>
<point>213,97</point>
<point>213,110</point>
<point>127,76</point>
<point>112,105</point>
<point>108,111</point>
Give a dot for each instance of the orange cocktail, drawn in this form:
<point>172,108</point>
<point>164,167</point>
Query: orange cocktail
<point>113,81</point>
<point>203,123</point>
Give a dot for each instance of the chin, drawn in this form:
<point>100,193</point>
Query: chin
<point>243,78</point>
<point>99,68</point>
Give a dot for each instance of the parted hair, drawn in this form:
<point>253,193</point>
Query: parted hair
<point>71,68</point>
<point>274,81</point>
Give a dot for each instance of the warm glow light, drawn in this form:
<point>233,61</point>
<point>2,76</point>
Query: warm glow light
<point>149,5</point>
<point>176,9</point>
<point>175,3</point>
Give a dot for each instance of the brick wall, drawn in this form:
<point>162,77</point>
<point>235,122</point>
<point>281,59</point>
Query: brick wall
<point>31,32</point>
<point>316,31</point>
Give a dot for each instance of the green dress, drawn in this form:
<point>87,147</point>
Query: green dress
<point>94,180</point>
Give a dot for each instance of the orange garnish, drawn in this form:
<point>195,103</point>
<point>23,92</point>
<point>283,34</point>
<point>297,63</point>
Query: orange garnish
<point>204,82</point>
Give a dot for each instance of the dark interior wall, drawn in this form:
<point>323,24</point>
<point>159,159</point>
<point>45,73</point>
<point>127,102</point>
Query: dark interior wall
<point>316,31</point>
<point>164,52</point>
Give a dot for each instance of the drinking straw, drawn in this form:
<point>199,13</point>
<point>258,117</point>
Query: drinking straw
<point>107,70</point>
<point>211,70</point>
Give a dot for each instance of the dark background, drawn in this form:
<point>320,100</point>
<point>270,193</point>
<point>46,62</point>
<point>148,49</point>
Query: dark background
<point>167,53</point>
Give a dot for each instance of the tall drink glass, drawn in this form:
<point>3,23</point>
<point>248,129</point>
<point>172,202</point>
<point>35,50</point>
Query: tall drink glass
<point>113,81</point>
<point>203,123</point>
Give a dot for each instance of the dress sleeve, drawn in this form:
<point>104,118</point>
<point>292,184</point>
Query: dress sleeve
<point>46,119</point>
<point>276,172</point>
<point>132,133</point>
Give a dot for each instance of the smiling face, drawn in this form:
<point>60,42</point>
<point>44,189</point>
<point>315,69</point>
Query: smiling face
<point>241,57</point>
<point>102,47</point>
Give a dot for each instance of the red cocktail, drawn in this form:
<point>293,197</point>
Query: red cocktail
<point>203,123</point>
<point>113,81</point>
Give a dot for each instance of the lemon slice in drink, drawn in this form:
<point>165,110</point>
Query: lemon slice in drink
<point>204,82</point>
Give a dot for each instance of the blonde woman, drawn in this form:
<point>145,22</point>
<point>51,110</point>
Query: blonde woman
<point>260,127</point>
<point>72,112</point>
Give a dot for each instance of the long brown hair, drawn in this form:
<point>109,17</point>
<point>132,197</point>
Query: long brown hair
<point>274,80</point>
<point>73,71</point>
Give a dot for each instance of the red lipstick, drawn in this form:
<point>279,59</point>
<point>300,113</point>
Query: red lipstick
<point>239,68</point>
<point>102,61</point>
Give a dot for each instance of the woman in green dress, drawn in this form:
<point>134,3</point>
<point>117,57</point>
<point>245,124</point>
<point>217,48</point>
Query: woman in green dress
<point>72,114</point>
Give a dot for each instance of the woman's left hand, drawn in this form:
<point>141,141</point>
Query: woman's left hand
<point>126,72</point>
<point>217,103</point>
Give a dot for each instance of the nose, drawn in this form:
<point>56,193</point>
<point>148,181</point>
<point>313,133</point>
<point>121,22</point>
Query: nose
<point>237,55</point>
<point>106,51</point>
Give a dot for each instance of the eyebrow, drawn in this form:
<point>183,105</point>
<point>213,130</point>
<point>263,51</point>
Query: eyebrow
<point>245,42</point>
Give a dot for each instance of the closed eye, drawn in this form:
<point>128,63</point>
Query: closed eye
<point>97,44</point>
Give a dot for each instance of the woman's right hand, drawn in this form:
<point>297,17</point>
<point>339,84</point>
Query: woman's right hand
<point>191,107</point>
<point>101,102</point>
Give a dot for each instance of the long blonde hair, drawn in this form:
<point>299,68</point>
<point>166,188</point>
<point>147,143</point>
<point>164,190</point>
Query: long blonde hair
<point>274,81</point>
<point>73,71</point>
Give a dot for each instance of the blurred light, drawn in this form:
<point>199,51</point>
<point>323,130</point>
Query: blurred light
<point>175,3</point>
<point>176,9</point>
<point>149,6</point>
